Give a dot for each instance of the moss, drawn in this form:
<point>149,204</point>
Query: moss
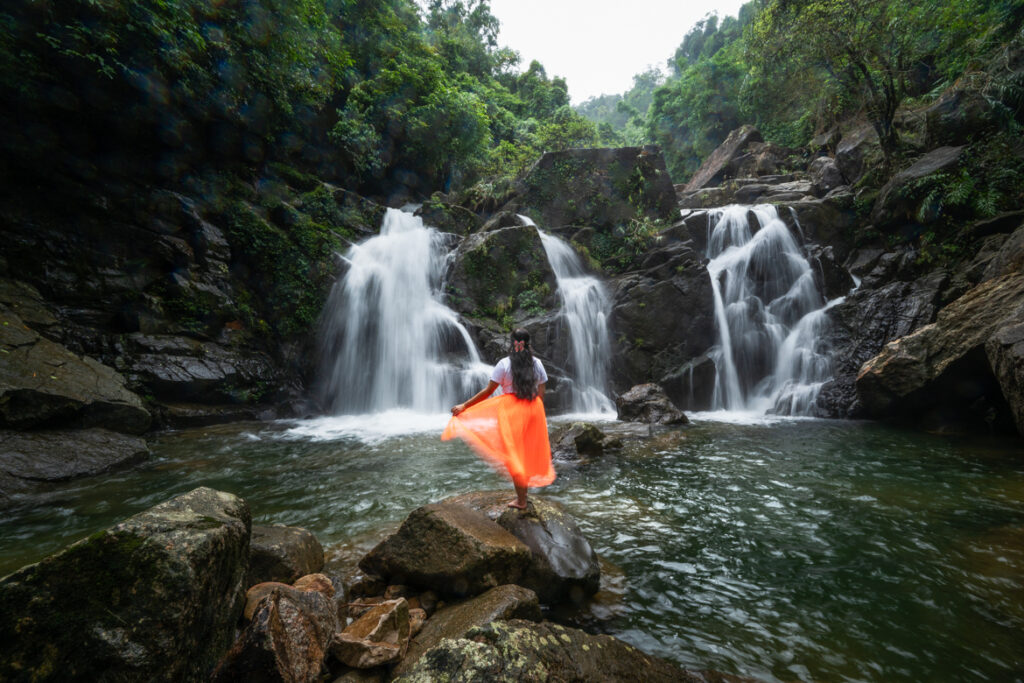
<point>303,182</point>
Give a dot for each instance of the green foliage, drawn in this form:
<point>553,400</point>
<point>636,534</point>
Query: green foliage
<point>624,115</point>
<point>617,250</point>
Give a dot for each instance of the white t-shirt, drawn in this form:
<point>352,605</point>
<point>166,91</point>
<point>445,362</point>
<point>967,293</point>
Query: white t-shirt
<point>502,374</point>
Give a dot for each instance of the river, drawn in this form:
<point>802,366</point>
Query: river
<point>785,549</point>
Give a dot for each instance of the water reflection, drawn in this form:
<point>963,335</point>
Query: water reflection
<point>794,550</point>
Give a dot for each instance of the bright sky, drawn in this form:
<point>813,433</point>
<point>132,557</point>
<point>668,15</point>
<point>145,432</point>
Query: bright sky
<point>598,45</point>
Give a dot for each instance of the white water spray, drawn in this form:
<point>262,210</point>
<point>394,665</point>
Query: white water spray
<point>387,341</point>
<point>585,307</point>
<point>771,357</point>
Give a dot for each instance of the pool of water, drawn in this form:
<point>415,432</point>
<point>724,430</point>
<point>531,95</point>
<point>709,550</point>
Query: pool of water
<point>785,550</point>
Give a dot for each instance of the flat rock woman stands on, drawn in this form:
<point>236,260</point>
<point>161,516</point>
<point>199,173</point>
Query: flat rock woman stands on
<point>510,430</point>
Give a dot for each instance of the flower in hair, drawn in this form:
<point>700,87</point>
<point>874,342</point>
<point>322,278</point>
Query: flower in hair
<point>518,346</point>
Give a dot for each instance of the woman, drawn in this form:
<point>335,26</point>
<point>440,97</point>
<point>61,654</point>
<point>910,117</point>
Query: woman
<point>510,430</point>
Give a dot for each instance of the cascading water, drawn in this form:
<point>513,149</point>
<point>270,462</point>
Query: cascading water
<point>585,307</point>
<point>771,356</point>
<point>387,340</point>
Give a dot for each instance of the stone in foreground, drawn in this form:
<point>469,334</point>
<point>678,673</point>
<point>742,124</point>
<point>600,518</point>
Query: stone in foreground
<point>517,650</point>
<point>449,548</point>
<point>286,640</point>
<point>283,553</point>
<point>563,566</point>
<point>503,602</point>
<point>154,598</point>
<point>379,637</point>
<point>649,403</point>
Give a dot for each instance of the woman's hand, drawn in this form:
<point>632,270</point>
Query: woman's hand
<point>458,409</point>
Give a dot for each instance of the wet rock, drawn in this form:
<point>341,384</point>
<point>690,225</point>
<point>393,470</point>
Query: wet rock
<point>283,553</point>
<point>1005,352</point>
<point>454,621</point>
<point>504,219</point>
<point>648,403</point>
<point>714,169</point>
<point>894,204</point>
<point>381,636</point>
<point>562,565</point>
<point>286,639</point>
<point>450,548</point>
<point>155,597</point>
<point>517,650</point>
<point>43,384</point>
<point>939,375</point>
<point>660,317</point>
<point>865,322</point>
<point>599,188</point>
<point>578,439</point>
<point>831,278</point>
<point>825,175</point>
<point>27,458</point>
<point>692,385</point>
<point>706,197</point>
<point>27,303</point>
<point>502,272</point>
<point>181,369</point>
<point>448,217</point>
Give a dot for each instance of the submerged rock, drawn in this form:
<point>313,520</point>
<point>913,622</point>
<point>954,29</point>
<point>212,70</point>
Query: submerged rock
<point>59,454</point>
<point>153,598</point>
<point>562,566</point>
<point>649,403</point>
<point>286,639</point>
<point>450,548</point>
<point>283,553</point>
<point>500,603</point>
<point>517,650</point>
<point>579,439</point>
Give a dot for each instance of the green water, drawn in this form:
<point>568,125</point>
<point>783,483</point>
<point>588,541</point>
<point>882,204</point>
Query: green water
<point>799,550</point>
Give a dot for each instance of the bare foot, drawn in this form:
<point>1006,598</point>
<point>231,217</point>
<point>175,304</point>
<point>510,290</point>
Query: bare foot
<point>515,504</point>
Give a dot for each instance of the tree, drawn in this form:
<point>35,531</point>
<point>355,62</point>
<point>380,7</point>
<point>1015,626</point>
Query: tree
<point>868,47</point>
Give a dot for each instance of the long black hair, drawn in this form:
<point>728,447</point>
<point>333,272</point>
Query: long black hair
<point>524,376</point>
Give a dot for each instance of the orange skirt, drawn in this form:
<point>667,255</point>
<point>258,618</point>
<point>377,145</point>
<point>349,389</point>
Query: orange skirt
<point>511,434</point>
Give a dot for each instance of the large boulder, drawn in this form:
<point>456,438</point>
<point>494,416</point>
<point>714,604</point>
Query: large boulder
<point>579,439</point>
<point>940,375</point>
<point>454,621</point>
<point>154,598</point>
<point>29,458</point>
<point>502,273</point>
<point>662,316</point>
<point>601,188</point>
<point>894,203</point>
<point>959,116</point>
<point>649,403</point>
<point>43,384</point>
<point>518,650</point>
<point>714,169</point>
<point>562,565</point>
<point>283,553</point>
<point>1005,352</point>
<point>450,548</point>
<point>825,175</point>
<point>285,641</point>
<point>857,152</point>
<point>443,215</point>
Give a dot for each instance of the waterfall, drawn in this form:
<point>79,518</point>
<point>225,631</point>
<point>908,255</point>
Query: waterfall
<point>387,341</point>
<point>770,316</point>
<point>585,308</point>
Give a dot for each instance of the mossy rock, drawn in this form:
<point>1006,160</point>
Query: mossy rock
<point>603,188</point>
<point>502,275</point>
<point>438,213</point>
<point>154,598</point>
